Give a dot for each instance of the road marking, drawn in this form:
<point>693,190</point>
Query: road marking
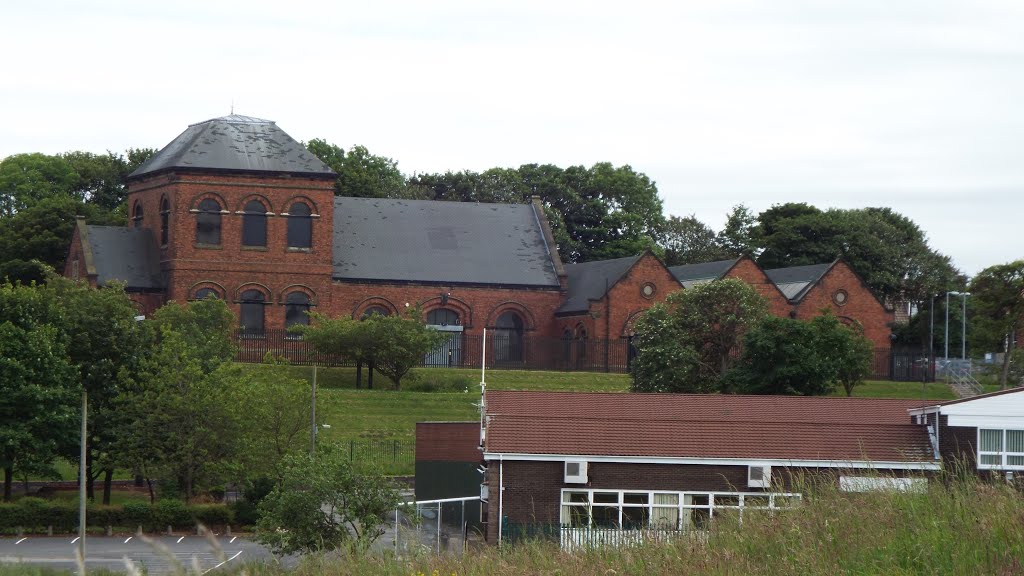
<point>22,540</point>
<point>76,539</point>
<point>127,539</point>
<point>224,562</point>
<point>179,540</point>
<point>232,539</point>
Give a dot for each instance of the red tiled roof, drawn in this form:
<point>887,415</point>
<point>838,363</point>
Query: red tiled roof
<point>705,426</point>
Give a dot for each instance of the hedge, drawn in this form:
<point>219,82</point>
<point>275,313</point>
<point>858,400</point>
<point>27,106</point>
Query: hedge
<point>36,515</point>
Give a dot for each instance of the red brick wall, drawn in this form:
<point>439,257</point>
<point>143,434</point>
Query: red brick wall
<point>448,441</point>
<point>860,305</point>
<point>748,271</point>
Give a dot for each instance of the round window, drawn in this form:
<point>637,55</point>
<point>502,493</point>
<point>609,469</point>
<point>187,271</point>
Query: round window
<point>840,297</point>
<point>647,290</point>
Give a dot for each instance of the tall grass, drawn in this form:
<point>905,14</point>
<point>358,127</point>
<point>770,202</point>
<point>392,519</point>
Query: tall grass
<point>965,527</point>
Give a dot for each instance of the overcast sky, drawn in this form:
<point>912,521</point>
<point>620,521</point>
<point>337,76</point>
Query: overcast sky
<point>916,105</point>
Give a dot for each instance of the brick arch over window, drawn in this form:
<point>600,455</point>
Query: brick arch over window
<point>464,310</point>
<point>282,296</point>
<point>268,294</point>
<point>299,198</point>
<point>374,302</point>
<point>630,323</point>
<point>194,203</point>
<point>267,204</point>
<point>202,285</point>
<point>529,322</point>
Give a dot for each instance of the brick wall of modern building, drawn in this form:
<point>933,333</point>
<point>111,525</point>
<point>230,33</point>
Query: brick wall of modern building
<point>448,441</point>
<point>533,490</point>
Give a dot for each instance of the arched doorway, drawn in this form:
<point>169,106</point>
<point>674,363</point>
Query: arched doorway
<point>449,353</point>
<point>508,338</point>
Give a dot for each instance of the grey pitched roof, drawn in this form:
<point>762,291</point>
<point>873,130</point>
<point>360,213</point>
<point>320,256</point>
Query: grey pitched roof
<point>235,142</point>
<point>795,281</point>
<point>128,255</point>
<point>447,242</point>
<point>690,275</point>
<point>590,280</point>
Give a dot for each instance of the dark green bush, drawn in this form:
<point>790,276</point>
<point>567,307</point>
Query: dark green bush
<point>212,514</point>
<point>37,514</point>
<point>173,513</point>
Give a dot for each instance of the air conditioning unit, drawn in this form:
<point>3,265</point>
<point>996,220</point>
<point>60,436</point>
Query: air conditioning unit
<point>575,472</point>
<point>759,476</point>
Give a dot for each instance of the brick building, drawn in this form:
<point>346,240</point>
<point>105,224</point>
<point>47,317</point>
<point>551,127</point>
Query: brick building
<point>237,209</point>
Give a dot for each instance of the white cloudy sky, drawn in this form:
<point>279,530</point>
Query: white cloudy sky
<point>916,105</point>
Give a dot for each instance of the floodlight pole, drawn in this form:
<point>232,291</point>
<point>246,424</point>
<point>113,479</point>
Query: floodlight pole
<point>312,417</point>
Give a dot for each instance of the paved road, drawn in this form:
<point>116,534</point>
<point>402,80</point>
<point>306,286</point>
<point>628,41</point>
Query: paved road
<point>109,552</point>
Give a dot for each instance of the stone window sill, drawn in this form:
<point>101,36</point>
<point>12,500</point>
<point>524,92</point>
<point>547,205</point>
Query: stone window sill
<point>202,246</point>
<point>255,248</point>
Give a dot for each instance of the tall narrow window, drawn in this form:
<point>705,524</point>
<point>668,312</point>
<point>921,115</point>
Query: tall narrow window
<point>165,217</point>
<point>300,226</point>
<point>208,223</point>
<point>252,312</point>
<point>508,337</point>
<point>254,224</point>
<point>137,215</point>
<point>296,310</point>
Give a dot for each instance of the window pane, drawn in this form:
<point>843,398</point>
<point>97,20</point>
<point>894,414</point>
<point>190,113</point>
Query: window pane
<point>375,311</point>
<point>204,293</point>
<point>577,497</point>
<point>300,226</point>
<point>991,460</point>
<point>606,497</point>
<point>208,222</point>
<point>696,500</point>
<point>575,516</point>
<point>252,312</point>
<point>605,516</point>
<point>724,500</point>
<point>254,224</point>
<point>991,440</point>
<point>634,498</point>
<point>634,517</point>
<point>1015,441</point>
<point>665,518</point>
<point>443,317</point>
<point>1015,460</point>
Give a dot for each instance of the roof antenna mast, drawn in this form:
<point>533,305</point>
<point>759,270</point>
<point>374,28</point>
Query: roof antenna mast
<point>232,106</point>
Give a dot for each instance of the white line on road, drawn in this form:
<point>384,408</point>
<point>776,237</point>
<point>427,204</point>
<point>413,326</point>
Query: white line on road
<point>179,540</point>
<point>225,562</point>
<point>127,539</point>
<point>22,540</point>
<point>76,539</point>
<point>232,539</point>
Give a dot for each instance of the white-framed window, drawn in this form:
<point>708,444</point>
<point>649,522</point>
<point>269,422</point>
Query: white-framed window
<point>643,509</point>
<point>1000,449</point>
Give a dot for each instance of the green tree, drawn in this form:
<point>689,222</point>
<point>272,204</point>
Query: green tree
<point>689,342</point>
<point>107,346</point>
<point>37,380</point>
<point>43,232</point>
<point>101,178</point>
<point>322,504</point>
<point>804,358</point>
<point>739,237</point>
<point>888,250</point>
<point>392,345</point>
<point>687,240</point>
<point>360,173</point>
<point>997,300</point>
<point>25,179</point>
<point>206,326</point>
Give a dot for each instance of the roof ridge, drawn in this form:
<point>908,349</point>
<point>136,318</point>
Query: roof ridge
<point>713,420</point>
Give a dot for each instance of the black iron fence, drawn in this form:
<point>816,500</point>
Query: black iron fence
<point>384,454</point>
<point>510,351</point>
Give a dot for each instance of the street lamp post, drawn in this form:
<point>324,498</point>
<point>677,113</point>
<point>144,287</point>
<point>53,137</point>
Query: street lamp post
<point>963,332</point>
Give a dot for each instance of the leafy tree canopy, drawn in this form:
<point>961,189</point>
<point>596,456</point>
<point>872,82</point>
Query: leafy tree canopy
<point>689,241</point>
<point>689,343</point>
<point>322,504</point>
<point>360,173</point>
<point>997,302</point>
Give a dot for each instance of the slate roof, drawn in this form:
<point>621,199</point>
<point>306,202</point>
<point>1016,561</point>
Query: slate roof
<point>378,239</point>
<point>705,426</point>
<point>690,275</point>
<point>796,281</point>
<point>235,143</point>
<point>129,255</point>
<point>590,280</point>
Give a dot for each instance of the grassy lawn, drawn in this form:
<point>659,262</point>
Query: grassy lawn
<point>887,389</point>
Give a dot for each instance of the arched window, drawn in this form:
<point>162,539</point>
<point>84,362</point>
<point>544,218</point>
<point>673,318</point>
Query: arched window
<point>443,317</point>
<point>204,293</point>
<point>300,226</point>
<point>137,215</point>
<point>254,224</point>
<point>165,219</point>
<point>252,303</point>
<point>508,341</point>
<point>296,309</point>
<point>581,345</point>
<point>208,223</point>
<point>375,311</point>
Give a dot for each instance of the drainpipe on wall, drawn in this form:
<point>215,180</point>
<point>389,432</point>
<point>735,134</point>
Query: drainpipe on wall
<point>501,495</point>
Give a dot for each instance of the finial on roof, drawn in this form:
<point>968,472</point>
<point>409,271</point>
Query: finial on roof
<point>232,107</point>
